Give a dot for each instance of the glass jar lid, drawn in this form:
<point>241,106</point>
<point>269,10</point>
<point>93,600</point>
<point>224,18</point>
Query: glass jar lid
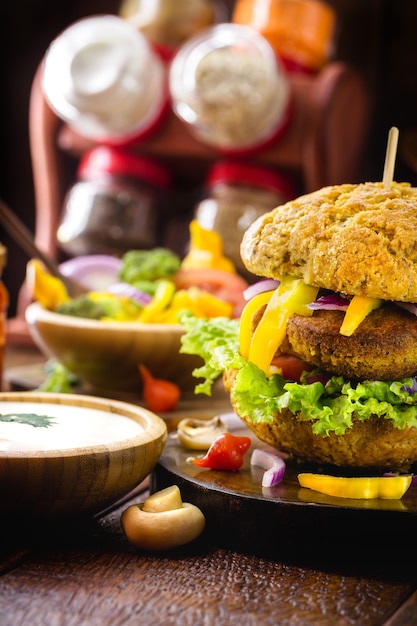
<point>103,78</point>
<point>228,85</point>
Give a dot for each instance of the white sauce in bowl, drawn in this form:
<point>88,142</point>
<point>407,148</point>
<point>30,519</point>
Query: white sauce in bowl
<point>61,427</point>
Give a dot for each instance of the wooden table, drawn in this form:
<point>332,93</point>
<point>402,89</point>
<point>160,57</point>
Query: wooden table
<point>86,573</point>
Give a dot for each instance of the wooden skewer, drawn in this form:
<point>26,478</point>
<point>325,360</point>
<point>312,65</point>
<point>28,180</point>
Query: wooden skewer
<point>23,237</point>
<point>390,157</point>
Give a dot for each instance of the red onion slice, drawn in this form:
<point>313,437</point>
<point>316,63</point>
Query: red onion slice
<point>331,302</point>
<point>318,377</point>
<point>129,291</point>
<point>269,284</point>
<point>94,271</point>
<point>272,463</point>
<point>408,306</point>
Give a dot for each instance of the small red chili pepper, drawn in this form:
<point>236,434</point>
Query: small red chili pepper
<point>227,452</point>
<point>160,395</point>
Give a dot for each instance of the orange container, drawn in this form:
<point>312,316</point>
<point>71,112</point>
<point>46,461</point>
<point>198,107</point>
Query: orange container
<point>4,303</point>
<point>300,31</point>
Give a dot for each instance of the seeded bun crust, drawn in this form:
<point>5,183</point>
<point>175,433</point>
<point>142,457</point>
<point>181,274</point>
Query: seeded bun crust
<point>372,444</point>
<point>352,239</point>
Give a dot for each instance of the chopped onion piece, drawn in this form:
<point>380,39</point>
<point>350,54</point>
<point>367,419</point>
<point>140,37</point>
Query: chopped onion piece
<point>269,284</point>
<point>272,463</point>
<point>412,389</point>
<point>94,271</point>
<point>408,306</point>
<point>331,302</point>
<point>129,291</point>
<point>318,377</point>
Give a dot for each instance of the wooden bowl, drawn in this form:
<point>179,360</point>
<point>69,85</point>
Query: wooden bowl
<point>105,355</point>
<point>65,454</point>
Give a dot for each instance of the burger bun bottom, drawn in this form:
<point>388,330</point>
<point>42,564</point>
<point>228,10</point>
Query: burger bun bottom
<point>373,444</point>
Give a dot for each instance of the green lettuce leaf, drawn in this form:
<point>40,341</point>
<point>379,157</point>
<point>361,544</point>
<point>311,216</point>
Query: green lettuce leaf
<point>58,378</point>
<point>217,344</point>
<point>328,407</point>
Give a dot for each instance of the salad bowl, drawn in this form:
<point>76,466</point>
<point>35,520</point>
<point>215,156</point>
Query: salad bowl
<point>105,355</point>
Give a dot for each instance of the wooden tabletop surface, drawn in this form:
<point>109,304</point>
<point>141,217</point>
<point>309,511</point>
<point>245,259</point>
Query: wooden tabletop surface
<point>86,573</point>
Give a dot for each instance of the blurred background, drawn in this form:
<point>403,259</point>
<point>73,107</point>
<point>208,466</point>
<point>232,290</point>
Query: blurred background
<point>377,37</point>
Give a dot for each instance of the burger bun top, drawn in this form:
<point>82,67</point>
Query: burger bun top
<point>351,239</point>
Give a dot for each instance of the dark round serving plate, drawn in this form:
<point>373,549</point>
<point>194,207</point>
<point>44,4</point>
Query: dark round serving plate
<point>242,515</point>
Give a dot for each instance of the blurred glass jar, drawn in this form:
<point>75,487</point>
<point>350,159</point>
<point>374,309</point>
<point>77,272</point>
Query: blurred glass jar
<point>114,205</point>
<point>300,31</point>
<point>229,87</point>
<point>169,23</point>
<point>104,79</point>
<point>236,195</point>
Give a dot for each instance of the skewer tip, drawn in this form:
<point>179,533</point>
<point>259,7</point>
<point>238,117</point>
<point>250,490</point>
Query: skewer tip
<point>390,157</point>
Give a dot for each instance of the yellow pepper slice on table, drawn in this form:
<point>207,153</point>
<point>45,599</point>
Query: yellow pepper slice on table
<point>363,488</point>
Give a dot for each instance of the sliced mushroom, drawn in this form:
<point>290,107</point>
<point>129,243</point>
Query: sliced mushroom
<point>199,434</point>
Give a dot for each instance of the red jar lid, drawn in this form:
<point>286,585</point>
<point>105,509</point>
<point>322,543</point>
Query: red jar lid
<point>253,175</point>
<point>121,162</point>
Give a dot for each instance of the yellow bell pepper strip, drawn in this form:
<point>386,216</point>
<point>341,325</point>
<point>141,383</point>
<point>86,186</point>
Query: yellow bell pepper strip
<point>246,320</point>
<point>119,308</point>
<point>207,305</point>
<point>46,289</point>
<point>359,307</point>
<point>179,303</point>
<point>199,302</point>
<point>363,488</point>
<point>291,296</point>
<point>206,250</point>
<point>160,301</point>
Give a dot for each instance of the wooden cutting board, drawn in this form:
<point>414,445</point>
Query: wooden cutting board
<point>244,516</point>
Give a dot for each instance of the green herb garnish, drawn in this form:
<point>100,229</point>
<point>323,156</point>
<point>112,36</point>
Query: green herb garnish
<point>31,419</point>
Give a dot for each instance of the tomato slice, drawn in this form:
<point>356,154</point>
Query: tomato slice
<point>223,285</point>
<point>290,367</point>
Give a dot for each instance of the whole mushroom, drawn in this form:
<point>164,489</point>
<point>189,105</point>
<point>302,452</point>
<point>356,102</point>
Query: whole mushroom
<point>163,521</point>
